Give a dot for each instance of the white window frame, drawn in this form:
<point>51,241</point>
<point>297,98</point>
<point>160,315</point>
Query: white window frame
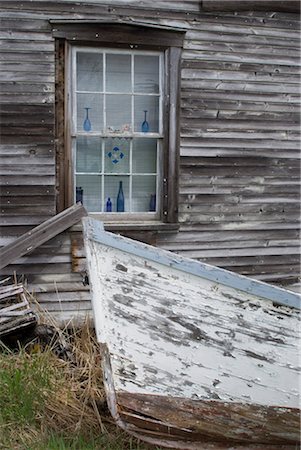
<point>72,112</point>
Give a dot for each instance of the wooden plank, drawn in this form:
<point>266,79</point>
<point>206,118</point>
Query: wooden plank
<point>27,98</point>
<point>173,138</point>
<point>242,142</point>
<point>223,236</point>
<point>250,5</point>
<point>282,24</point>
<point>57,286</point>
<point>30,270</point>
<point>40,234</point>
<point>184,5</point>
<point>15,312</point>
<point>150,417</point>
<point>73,307</point>
<point>246,58</point>
<point>123,33</point>
<point>237,37</point>
<point>241,75</point>
<point>9,181</point>
<point>5,291</point>
<point>195,102</point>
<point>244,49</point>
<point>244,96</point>
<point>251,87</point>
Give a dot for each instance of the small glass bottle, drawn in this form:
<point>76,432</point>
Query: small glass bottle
<point>152,202</point>
<point>79,194</point>
<point>87,123</point>
<point>145,124</point>
<point>120,199</point>
<point>109,205</point>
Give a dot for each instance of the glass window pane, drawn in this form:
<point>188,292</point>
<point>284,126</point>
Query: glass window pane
<point>144,155</point>
<point>89,112</point>
<point>88,154</point>
<point>146,74</point>
<point>89,71</point>
<point>144,190</point>
<point>146,113</point>
<point>117,155</point>
<point>118,73</point>
<point>91,191</point>
<point>118,112</point>
<point>111,189</point>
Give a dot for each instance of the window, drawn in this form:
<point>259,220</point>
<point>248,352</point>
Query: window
<point>117,120</point>
<point>117,130</point>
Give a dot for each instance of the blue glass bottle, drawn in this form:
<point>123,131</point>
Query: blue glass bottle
<point>152,203</point>
<point>87,123</point>
<point>120,199</point>
<point>79,194</point>
<point>109,205</point>
<point>145,125</point>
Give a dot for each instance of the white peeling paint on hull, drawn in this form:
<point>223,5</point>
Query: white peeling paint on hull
<point>173,334</point>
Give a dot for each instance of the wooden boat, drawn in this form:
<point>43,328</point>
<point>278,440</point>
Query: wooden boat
<point>194,357</point>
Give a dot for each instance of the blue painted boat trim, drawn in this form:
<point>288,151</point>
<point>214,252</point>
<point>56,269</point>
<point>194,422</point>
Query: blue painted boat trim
<point>94,230</point>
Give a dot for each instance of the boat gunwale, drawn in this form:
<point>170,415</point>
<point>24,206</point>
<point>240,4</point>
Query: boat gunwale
<point>94,230</point>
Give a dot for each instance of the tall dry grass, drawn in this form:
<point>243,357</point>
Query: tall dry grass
<point>51,403</point>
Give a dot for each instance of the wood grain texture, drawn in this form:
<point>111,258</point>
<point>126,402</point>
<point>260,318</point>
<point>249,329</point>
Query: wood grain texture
<point>239,147</point>
<point>15,311</point>
<point>40,234</point>
<point>171,333</point>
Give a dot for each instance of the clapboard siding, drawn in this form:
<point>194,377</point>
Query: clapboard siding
<point>239,152</point>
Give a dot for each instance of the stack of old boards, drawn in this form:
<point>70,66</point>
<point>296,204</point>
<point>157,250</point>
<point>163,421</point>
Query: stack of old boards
<point>195,357</point>
<point>16,313</point>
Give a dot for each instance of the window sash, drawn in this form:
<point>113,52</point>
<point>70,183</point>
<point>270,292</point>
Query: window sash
<point>107,51</point>
<point>131,174</point>
<point>131,134</point>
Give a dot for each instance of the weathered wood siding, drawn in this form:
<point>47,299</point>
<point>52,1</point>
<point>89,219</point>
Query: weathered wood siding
<point>239,178</point>
<point>239,169</point>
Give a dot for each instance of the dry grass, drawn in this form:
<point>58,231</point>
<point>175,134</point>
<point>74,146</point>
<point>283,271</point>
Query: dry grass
<point>47,402</point>
<point>79,400</point>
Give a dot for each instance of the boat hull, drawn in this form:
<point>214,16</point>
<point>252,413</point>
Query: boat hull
<point>193,357</point>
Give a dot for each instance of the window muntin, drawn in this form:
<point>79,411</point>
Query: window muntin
<point>118,86</point>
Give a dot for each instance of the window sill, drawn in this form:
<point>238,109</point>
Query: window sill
<point>155,227</point>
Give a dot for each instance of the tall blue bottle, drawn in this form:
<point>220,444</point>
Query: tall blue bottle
<point>152,203</point>
<point>109,205</point>
<point>120,199</point>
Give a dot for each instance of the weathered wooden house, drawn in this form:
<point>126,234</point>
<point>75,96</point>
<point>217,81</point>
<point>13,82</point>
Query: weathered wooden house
<point>174,122</point>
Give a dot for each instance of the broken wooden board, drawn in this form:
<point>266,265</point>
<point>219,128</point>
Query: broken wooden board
<point>40,234</point>
<point>15,311</point>
<point>196,357</point>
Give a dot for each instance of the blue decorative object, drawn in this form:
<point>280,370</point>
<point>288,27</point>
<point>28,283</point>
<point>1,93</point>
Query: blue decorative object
<point>109,205</point>
<point>152,203</point>
<point>145,125</point>
<point>116,155</point>
<point>87,124</point>
<point>79,194</point>
<point>120,199</point>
